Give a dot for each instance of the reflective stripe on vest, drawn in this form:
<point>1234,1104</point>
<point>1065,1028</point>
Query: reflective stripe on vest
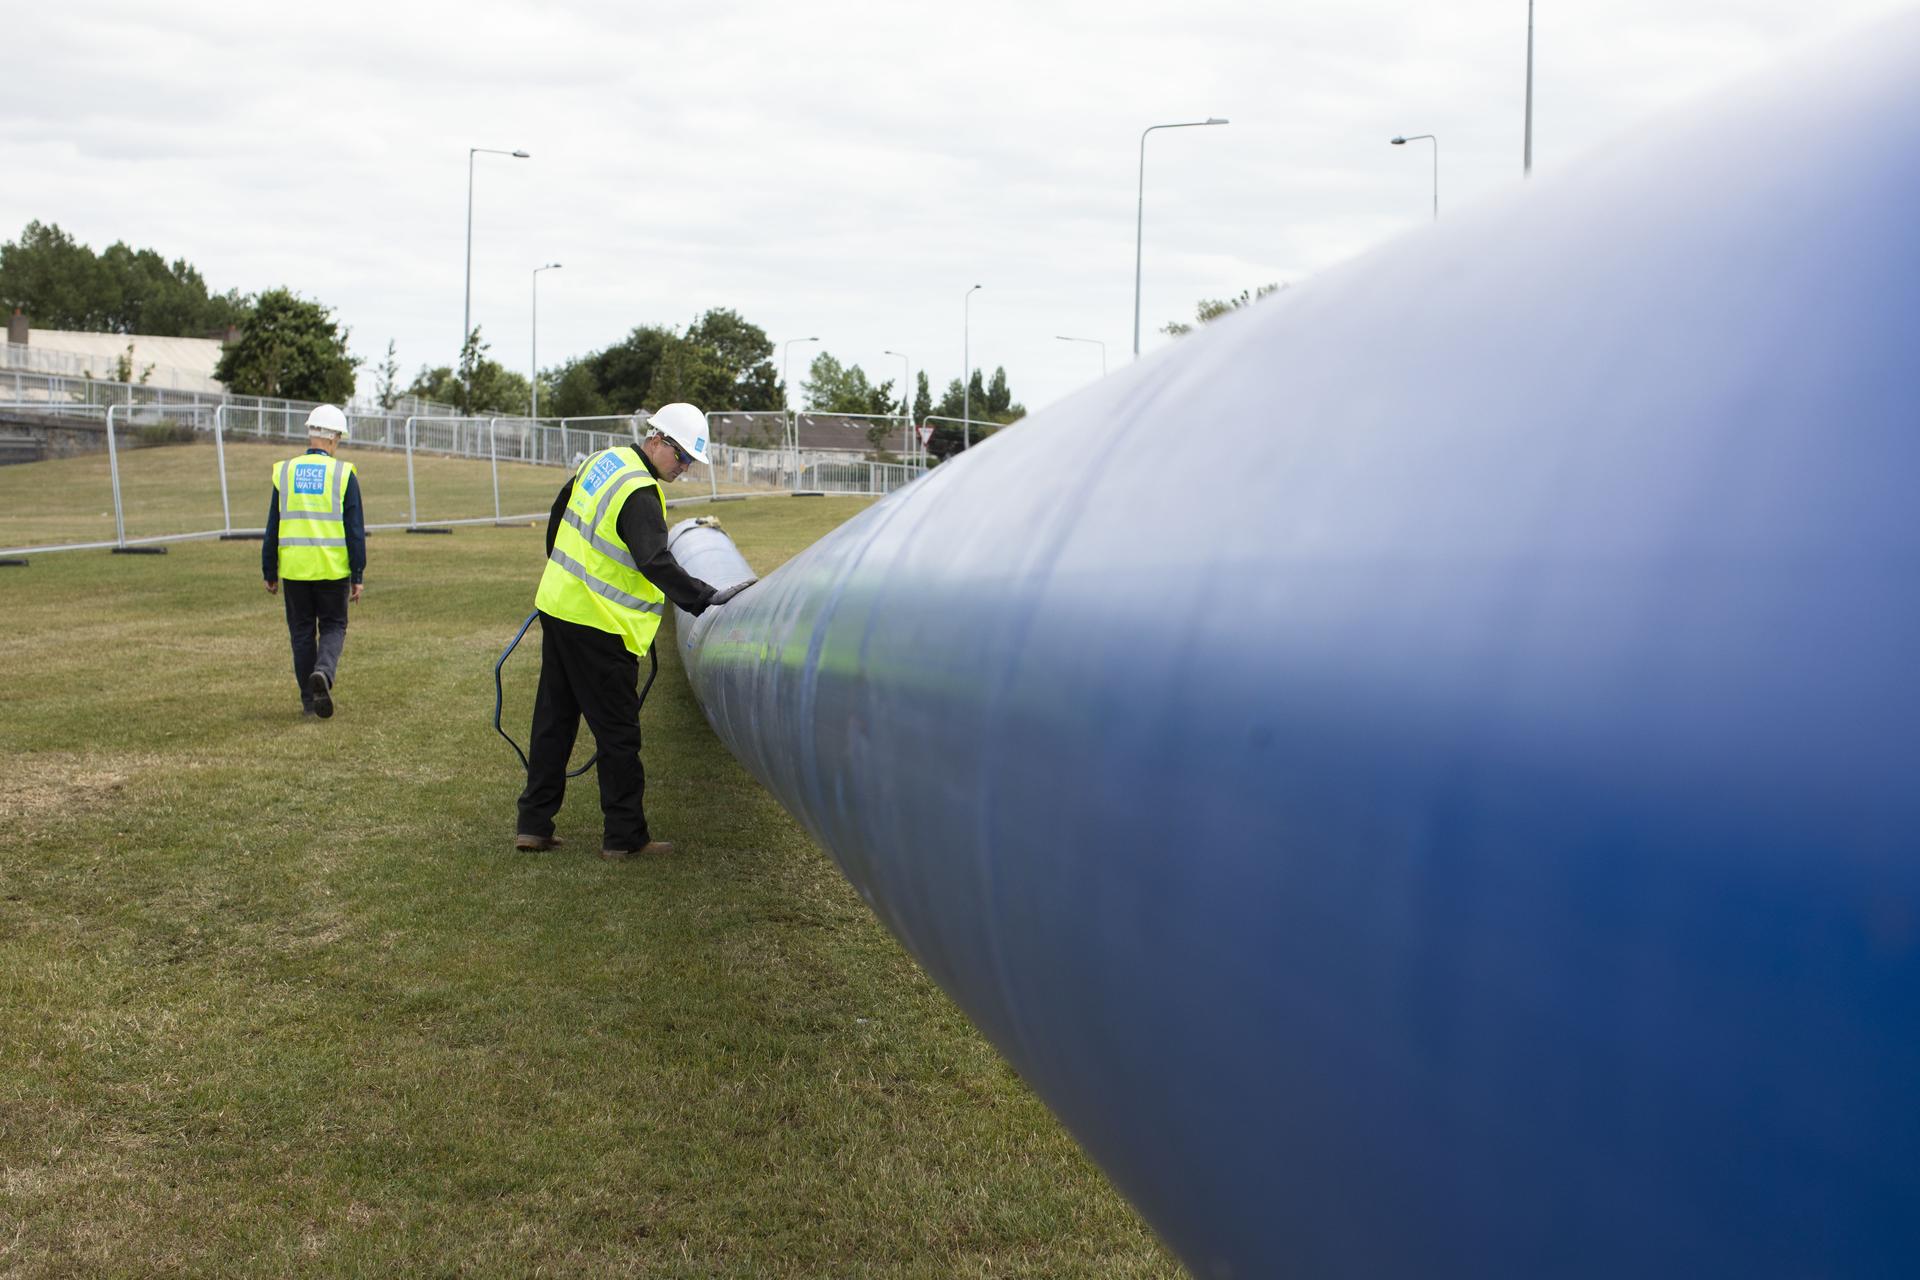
<point>612,550</point>
<point>606,589</point>
<point>591,576</point>
<point>313,531</point>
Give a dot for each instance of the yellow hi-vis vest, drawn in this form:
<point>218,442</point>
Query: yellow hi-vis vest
<point>313,524</point>
<point>590,577</point>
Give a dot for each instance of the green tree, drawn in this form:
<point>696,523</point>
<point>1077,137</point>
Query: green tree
<point>689,371</point>
<point>922,399</point>
<point>58,282</point>
<point>155,297</point>
<point>1208,310</point>
<point>388,388</point>
<point>123,366</point>
<point>832,387</point>
<point>290,348</point>
<point>623,372</point>
<point>743,352</point>
<point>722,361</point>
<point>473,354</point>
<point>999,397</point>
<point>441,385</point>
<point>988,404</point>
<point>951,403</point>
<point>481,387</point>
<point>62,284</point>
<point>575,394</point>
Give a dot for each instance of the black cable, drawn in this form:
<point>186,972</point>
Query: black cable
<point>499,696</point>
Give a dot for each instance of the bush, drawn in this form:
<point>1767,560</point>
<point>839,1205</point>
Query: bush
<point>164,432</point>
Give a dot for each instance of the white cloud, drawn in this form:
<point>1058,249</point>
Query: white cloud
<point>842,169</point>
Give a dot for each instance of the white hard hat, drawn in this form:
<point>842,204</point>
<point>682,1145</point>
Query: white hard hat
<point>327,418</point>
<point>683,424</point>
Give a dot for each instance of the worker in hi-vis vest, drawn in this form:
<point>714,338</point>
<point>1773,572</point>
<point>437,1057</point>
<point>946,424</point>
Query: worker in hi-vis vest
<point>608,580</point>
<point>315,554</point>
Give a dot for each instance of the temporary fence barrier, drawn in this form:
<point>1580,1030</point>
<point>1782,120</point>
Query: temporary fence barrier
<point>732,469</point>
<point>120,543</point>
<point>868,437</point>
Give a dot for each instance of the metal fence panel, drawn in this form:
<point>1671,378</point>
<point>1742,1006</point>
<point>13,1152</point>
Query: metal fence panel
<point>182,491</point>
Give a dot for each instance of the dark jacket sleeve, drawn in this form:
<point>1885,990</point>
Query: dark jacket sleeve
<point>644,529</point>
<point>356,521</point>
<point>558,513</point>
<point>270,545</point>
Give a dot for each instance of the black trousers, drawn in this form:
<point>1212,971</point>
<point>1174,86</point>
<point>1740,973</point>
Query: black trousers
<point>317,625</point>
<point>586,672</point>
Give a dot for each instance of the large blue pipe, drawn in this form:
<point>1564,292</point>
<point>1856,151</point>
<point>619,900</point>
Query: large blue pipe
<point>1424,777</point>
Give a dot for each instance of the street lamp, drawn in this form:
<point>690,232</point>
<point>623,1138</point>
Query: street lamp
<point>1526,153</point>
<point>1401,142</point>
<point>1061,337</point>
<point>1140,213</point>
<point>533,358</point>
<point>793,427</point>
<point>906,400</point>
<point>466,313</point>
<point>966,369</point>
<point>785,392</point>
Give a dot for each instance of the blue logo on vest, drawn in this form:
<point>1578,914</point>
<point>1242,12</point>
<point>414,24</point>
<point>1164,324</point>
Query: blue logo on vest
<point>599,473</point>
<point>309,477</point>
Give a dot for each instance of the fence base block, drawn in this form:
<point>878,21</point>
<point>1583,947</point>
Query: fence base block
<point>13,564</point>
<point>244,536</point>
<point>139,551</point>
<point>421,528</point>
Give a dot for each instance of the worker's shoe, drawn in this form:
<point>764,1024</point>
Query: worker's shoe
<point>536,844</point>
<point>651,849</point>
<point>320,689</point>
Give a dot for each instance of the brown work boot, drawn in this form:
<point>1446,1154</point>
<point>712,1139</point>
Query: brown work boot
<point>536,844</point>
<point>652,849</point>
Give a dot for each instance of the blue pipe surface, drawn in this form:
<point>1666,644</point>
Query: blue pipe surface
<point>1423,777</point>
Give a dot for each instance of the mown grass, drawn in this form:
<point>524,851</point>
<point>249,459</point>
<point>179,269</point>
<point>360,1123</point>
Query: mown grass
<point>175,488</point>
<point>277,998</point>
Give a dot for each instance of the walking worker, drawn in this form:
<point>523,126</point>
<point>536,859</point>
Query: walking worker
<point>609,576</point>
<point>316,548</point>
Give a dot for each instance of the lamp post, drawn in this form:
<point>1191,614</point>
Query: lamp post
<point>533,359</point>
<point>906,397</point>
<point>1403,141</point>
<point>1140,212</point>
<point>1526,152</point>
<point>1061,337</point>
<point>786,395</point>
<point>966,369</point>
<point>466,312</point>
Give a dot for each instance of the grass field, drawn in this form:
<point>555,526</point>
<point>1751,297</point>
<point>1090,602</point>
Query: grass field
<point>175,488</point>
<point>277,998</point>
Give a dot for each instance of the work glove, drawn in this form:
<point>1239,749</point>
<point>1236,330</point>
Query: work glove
<point>721,597</point>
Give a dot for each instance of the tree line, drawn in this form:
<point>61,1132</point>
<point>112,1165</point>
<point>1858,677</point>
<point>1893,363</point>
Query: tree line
<point>293,348</point>
<point>63,284</point>
<point>288,346</point>
<point>1207,310</point>
<point>831,387</point>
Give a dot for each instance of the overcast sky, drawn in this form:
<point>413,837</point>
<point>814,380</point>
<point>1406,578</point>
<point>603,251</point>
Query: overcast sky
<point>834,168</point>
